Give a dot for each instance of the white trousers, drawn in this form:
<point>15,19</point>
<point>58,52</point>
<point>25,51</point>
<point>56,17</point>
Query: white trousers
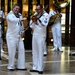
<point>45,47</point>
<point>38,50</point>
<point>0,39</point>
<point>56,32</point>
<point>0,46</point>
<point>13,45</point>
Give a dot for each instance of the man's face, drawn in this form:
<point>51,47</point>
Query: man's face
<point>16,9</point>
<point>38,9</point>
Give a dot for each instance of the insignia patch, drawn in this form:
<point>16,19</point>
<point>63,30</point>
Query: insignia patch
<point>45,21</point>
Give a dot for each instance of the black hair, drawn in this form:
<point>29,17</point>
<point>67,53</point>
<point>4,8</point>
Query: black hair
<point>40,5</point>
<point>16,5</point>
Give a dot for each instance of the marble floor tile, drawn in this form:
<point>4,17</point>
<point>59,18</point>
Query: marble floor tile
<point>55,63</point>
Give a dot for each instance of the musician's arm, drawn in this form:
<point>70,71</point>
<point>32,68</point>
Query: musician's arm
<point>31,24</point>
<point>46,19</point>
<point>60,15</point>
<point>22,32</point>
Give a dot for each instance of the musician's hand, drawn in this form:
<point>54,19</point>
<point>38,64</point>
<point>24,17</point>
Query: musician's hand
<point>34,19</point>
<point>32,29</point>
<point>1,18</point>
<point>23,35</point>
<point>35,22</point>
<point>60,15</point>
<point>23,19</point>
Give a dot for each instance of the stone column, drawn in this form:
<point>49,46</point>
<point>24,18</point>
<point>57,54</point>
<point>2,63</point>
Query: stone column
<point>72,33</point>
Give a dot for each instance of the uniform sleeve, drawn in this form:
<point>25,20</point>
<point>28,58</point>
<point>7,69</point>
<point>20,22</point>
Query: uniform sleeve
<point>22,29</point>
<point>47,18</point>
<point>51,13</point>
<point>45,21</point>
<point>11,18</point>
<point>31,24</point>
<point>3,14</point>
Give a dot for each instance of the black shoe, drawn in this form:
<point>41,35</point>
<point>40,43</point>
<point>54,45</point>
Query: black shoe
<point>33,71</point>
<point>40,72</point>
<point>45,54</point>
<point>72,54</point>
<point>0,59</point>
<point>11,69</point>
<point>21,69</point>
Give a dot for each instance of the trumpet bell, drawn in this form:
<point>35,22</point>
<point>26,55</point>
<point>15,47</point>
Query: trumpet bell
<point>61,3</point>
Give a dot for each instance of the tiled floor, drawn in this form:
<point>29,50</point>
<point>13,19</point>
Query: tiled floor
<point>56,63</point>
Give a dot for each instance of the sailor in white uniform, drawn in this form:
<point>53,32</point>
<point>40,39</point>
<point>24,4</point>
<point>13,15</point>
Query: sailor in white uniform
<point>56,30</point>
<point>39,36</point>
<point>14,40</point>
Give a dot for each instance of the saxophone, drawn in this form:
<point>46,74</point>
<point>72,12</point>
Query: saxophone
<point>54,18</point>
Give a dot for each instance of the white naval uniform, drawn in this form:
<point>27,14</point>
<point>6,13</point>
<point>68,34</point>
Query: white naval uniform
<point>45,45</point>
<point>14,41</point>
<point>56,32</point>
<point>1,15</point>
<point>45,48</point>
<point>38,41</point>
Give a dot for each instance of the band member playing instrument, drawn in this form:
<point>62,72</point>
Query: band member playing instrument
<point>56,29</point>
<point>39,36</point>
